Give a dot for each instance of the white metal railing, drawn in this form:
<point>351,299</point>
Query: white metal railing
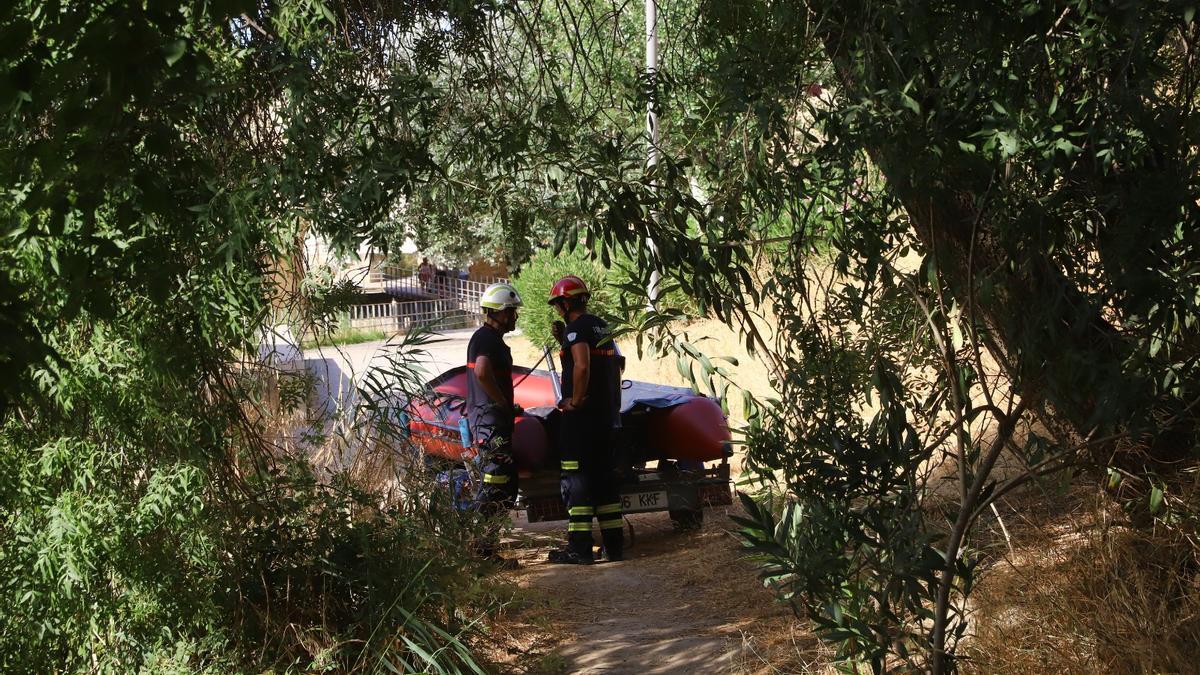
<point>441,301</point>
<point>398,316</point>
<point>466,291</point>
<point>394,309</point>
<point>406,287</point>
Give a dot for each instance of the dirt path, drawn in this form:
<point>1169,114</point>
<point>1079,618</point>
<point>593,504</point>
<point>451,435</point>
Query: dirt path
<point>680,603</point>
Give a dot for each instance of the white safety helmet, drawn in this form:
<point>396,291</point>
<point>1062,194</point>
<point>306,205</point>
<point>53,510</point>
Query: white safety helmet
<point>500,296</point>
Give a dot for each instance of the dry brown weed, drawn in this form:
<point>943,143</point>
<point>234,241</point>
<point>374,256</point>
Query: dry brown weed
<point>1085,592</point>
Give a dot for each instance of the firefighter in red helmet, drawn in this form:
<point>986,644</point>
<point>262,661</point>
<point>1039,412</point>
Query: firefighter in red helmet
<point>591,390</point>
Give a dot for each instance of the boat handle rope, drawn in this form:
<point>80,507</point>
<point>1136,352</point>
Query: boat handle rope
<point>539,362</point>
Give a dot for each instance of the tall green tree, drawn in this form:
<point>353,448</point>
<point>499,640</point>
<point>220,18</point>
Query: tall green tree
<point>162,163</point>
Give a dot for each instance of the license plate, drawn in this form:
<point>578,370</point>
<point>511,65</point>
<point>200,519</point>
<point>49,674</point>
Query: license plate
<point>644,501</point>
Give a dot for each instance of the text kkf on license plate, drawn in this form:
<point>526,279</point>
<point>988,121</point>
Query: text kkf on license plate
<point>643,501</point>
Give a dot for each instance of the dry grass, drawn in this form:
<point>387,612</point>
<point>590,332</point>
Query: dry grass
<point>523,637</point>
<point>763,634</point>
<point>1084,592</point>
<point>1080,591</point>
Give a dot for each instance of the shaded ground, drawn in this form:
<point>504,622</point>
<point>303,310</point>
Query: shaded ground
<point>682,602</point>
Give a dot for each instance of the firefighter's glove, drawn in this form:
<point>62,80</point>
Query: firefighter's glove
<point>558,329</point>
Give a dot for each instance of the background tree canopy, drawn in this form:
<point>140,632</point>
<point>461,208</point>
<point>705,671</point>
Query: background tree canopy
<point>953,232</point>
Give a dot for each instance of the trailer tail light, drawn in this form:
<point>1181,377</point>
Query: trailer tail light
<point>714,494</point>
<point>549,508</point>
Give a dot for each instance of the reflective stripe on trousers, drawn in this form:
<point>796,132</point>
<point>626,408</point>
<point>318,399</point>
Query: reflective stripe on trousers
<point>613,511</point>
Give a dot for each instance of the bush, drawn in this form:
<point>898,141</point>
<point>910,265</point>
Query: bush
<point>332,580</point>
<point>158,532</point>
<point>537,277</point>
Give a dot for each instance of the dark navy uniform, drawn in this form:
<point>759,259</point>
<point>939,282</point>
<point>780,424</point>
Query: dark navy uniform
<point>492,423</point>
<point>590,485</point>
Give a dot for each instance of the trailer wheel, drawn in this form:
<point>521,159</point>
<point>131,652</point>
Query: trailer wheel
<point>686,519</point>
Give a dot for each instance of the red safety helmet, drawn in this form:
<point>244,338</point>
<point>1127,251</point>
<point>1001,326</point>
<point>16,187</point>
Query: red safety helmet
<point>569,287</point>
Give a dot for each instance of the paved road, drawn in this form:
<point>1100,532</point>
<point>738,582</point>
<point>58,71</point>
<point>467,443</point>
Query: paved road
<point>448,350</point>
<point>341,369</point>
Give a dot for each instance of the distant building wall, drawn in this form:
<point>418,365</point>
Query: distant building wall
<point>485,270</point>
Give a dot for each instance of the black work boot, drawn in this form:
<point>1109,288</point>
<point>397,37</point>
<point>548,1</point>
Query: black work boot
<point>612,554</point>
<point>614,545</point>
<point>569,557</point>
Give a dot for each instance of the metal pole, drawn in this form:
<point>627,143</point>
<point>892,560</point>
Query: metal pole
<point>652,76</point>
<point>652,134</point>
<point>555,383</point>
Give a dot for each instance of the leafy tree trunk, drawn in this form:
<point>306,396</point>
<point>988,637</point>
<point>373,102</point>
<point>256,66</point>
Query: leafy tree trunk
<point>1046,332</point>
<point>1049,336</point>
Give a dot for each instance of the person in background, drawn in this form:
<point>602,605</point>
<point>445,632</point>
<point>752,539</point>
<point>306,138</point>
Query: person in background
<point>490,409</point>
<point>442,284</point>
<point>425,273</point>
<point>591,395</point>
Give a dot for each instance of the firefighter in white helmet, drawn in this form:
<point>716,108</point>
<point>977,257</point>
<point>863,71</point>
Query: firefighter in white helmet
<point>490,409</point>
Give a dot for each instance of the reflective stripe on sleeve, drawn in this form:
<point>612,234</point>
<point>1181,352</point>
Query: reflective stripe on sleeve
<point>494,478</point>
<point>580,511</point>
<point>610,524</point>
<point>570,465</point>
<point>579,527</point>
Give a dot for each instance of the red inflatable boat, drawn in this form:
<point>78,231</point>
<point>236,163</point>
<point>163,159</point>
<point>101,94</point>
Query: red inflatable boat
<point>659,422</point>
<point>669,425</point>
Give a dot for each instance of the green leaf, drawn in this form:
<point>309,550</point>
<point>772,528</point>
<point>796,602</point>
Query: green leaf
<point>327,13</point>
<point>1156,499</point>
<point>747,404</point>
<point>684,368</point>
<point>174,51</point>
<point>1009,143</point>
